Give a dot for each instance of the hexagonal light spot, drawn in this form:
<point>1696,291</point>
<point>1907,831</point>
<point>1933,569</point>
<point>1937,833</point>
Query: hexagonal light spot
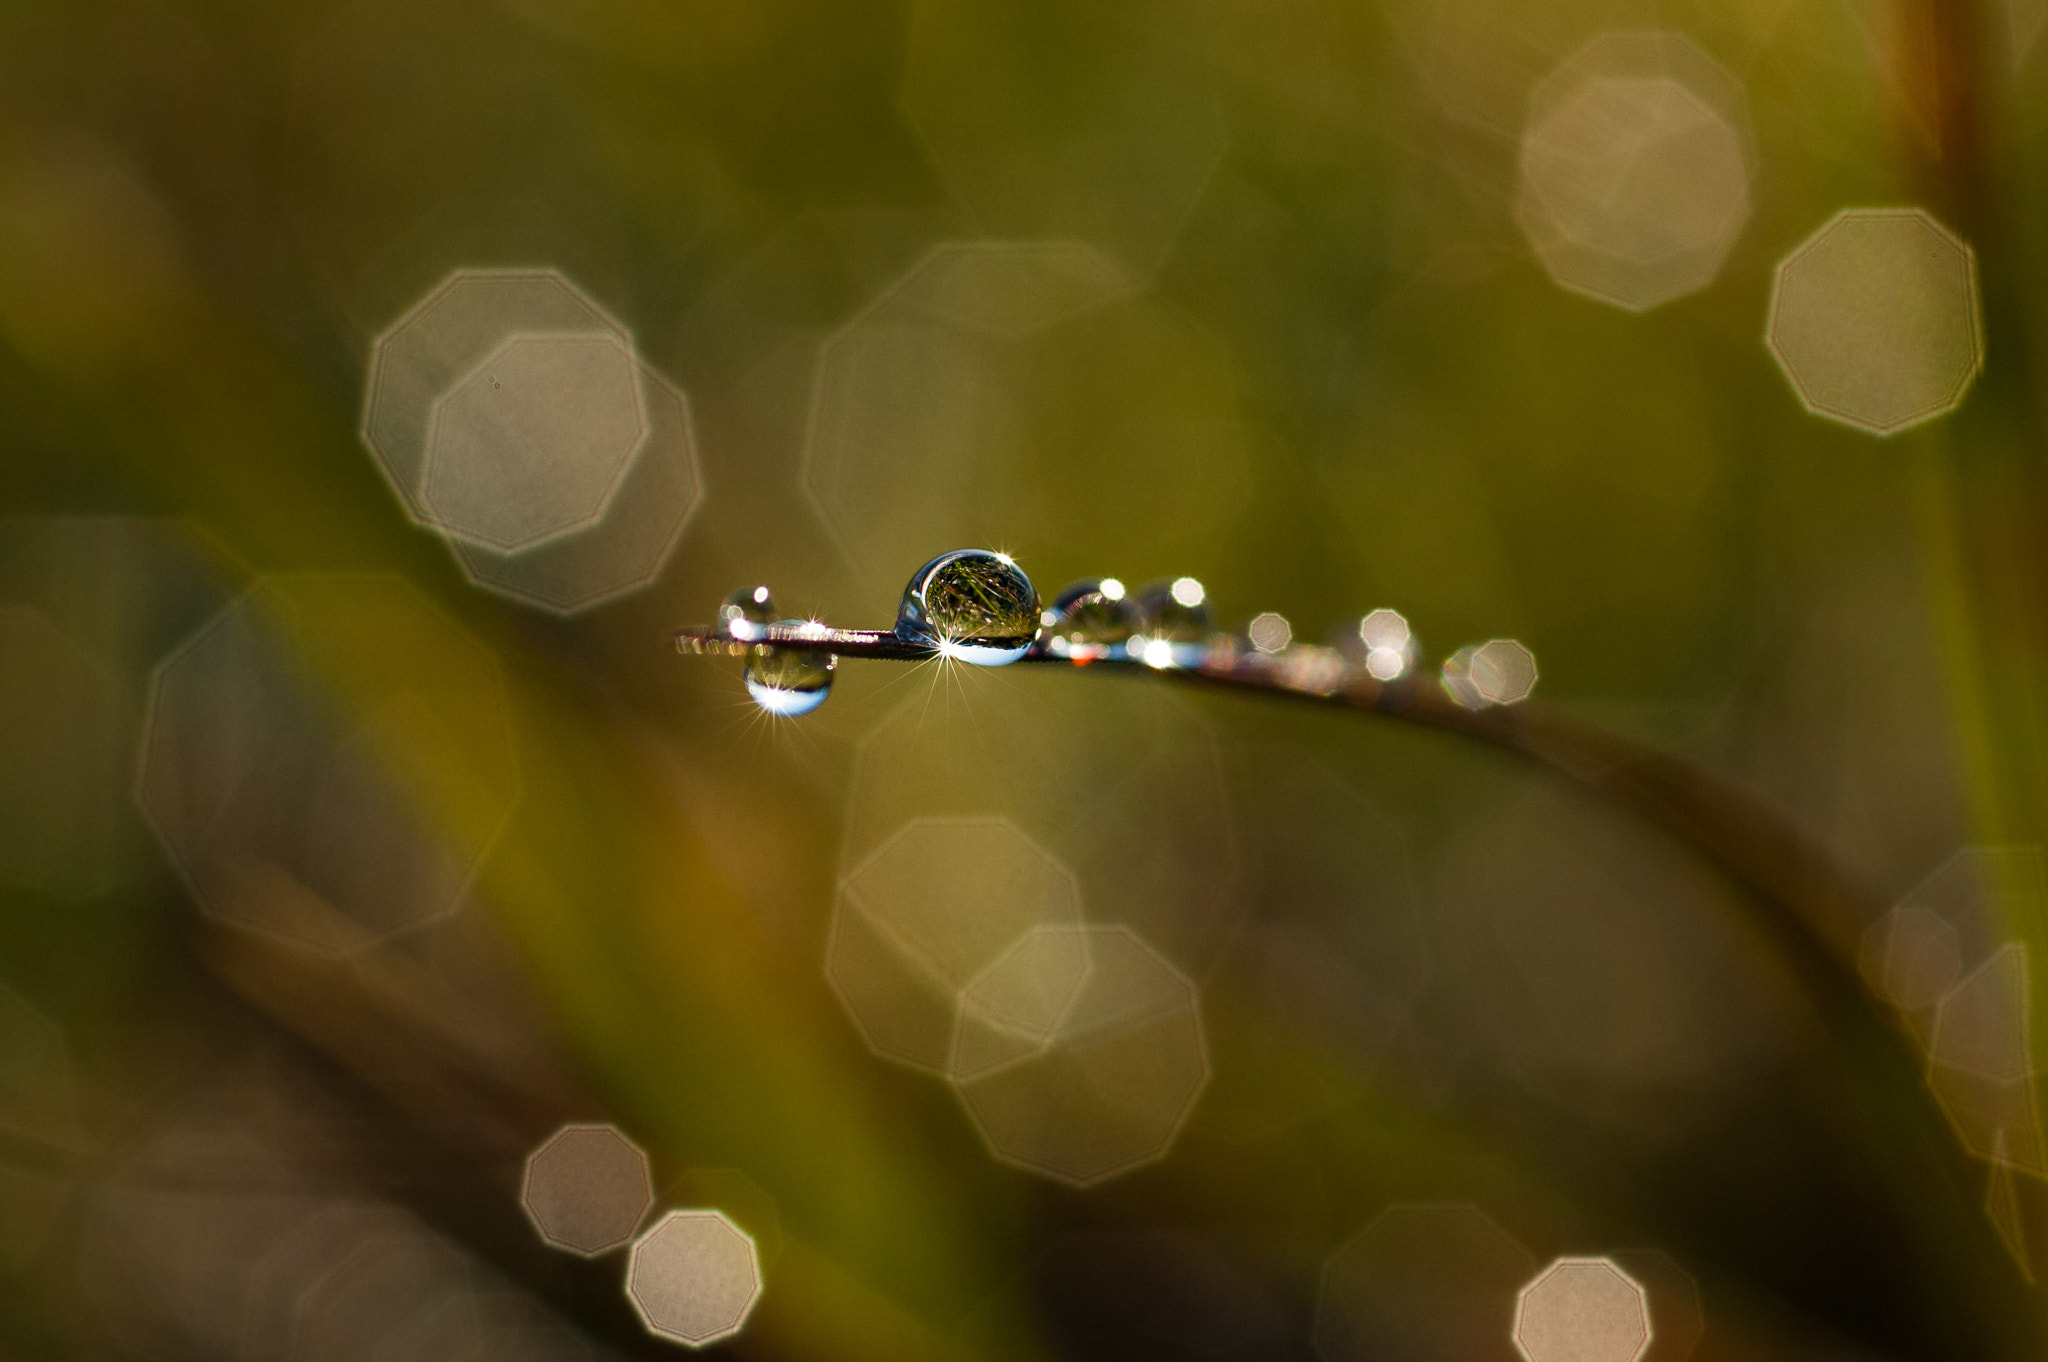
<point>532,442</point>
<point>1634,172</point>
<point>1500,671</point>
<point>629,545</point>
<point>928,912</point>
<point>1124,790</point>
<point>510,413</point>
<point>1011,288</point>
<point>1910,957</point>
<point>1582,1310</point>
<point>694,1277</point>
<point>1986,893</point>
<point>447,335</point>
<point>1983,1023</point>
<point>328,760</point>
<point>1018,1005</point>
<point>1270,632</point>
<point>1875,319</point>
<point>587,1188</point>
<point>1122,1060</point>
<point>1503,671</point>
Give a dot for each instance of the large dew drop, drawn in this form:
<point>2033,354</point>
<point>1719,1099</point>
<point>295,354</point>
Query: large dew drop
<point>971,604</point>
<point>1088,619</point>
<point>787,682</point>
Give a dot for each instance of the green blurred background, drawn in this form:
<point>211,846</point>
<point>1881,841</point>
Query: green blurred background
<point>1327,373</point>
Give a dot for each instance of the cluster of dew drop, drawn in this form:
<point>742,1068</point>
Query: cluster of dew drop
<point>977,606</point>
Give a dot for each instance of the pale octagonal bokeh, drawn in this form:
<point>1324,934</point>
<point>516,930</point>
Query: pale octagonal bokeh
<point>1080,1054</point>
<point>534,441</point>
<point>694,1277</point>
<point>587,1188</point>
<point>1634,170</point>
<point>1875,319</point>
<point>926,913</point>
<point>1582,1310</point>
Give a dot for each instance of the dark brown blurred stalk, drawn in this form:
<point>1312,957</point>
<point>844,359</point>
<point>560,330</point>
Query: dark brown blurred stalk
<point>1936,58</point>
<point>1985,497</point>
<point>1808,906</point>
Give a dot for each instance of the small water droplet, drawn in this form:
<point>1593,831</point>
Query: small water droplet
<point>1174,610</point>
<point>1088,619</point>
<point>1173,616</point>
<point>971,604</point>
<point>749,605</point>
<point>789,683</point>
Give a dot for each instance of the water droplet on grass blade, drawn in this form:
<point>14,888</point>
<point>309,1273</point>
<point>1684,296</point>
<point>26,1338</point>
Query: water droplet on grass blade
<point>1088,618</point>
<point>971,604</point>
<point>787,682</point>
<point>1173,618</point>
<point>749,605</point>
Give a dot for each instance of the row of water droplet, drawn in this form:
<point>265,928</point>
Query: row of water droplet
<point>979,607</point>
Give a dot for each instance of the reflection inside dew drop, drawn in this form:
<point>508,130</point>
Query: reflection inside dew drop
<point>789,683</point>
<point>973,605</point>
<point>1088,619</point>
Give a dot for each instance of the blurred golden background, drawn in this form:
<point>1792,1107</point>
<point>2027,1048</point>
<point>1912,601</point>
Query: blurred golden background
<point>404,954</point>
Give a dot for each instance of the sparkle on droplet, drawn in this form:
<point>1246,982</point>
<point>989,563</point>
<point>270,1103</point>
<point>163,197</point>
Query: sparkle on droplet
<point>1088,619</point>
<point>973,605</point>
<point>1384,664</point>
<point>787,682</point>
<point>1158,653</point>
